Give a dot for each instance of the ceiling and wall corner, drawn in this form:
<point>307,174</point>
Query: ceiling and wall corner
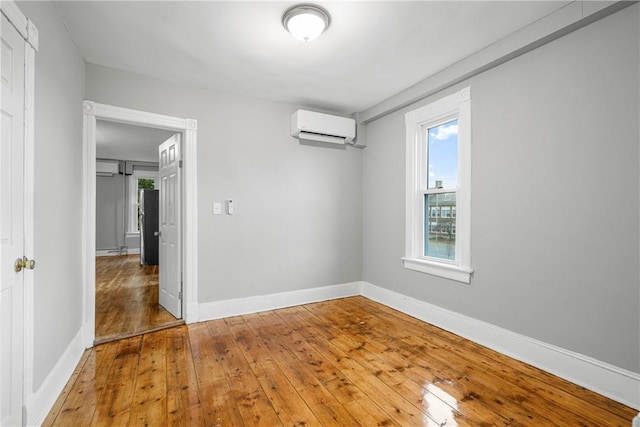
<point>371,51</point>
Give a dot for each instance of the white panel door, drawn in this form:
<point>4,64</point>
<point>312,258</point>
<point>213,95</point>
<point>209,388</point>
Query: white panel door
<point>11,226</point>
<point>170,226</point>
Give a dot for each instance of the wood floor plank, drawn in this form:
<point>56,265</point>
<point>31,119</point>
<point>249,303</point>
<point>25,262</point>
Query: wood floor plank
<point>113,409</point>
<point>254,405</point>
<point>320,400</point>
<point>478,387</point>
<point>184,406</point>
<point>290,408</point>
<point>149,406</point>
<point>367,366</point>
<point>340,375</point>
<point>220,407</point>
<point>517,401</point>
<point>391,373</point>
<point>127,298</point>
<point>347,362</point>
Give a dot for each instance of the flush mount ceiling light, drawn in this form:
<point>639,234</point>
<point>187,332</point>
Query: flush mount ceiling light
<point>305,21</point>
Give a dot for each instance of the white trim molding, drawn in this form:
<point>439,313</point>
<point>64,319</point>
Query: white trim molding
<point>31,48</point>
<point>189,128</point>
<point>255,304</point>
<point>42,400</point>
<point>26,28</point>
<point>611,381</point>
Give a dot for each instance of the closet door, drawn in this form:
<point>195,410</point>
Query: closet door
<point>12,226</point>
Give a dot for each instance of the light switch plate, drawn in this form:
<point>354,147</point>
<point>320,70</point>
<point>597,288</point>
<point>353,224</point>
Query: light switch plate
<point>217,208</point>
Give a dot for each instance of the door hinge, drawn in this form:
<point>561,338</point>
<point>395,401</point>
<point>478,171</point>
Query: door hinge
<point>180,163</point>
<point>180,295</point>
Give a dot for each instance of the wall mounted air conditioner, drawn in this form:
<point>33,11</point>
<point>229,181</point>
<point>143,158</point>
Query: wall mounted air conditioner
<point>312,126</point>
<point>107,168</point>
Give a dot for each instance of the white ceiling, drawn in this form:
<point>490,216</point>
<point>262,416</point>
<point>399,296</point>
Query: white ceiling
<point>120,141</point>
<point>371,51</point>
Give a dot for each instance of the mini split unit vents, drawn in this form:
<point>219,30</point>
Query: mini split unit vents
<point>319,127</point>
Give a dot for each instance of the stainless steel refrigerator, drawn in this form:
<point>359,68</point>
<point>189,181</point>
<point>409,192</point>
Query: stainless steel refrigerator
<point>149,226</point>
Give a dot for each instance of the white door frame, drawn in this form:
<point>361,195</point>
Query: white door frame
<point>29,32</point>
<point>188,127</point>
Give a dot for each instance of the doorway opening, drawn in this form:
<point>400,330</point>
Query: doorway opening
<point>184,261</point>
<point>127,232</point>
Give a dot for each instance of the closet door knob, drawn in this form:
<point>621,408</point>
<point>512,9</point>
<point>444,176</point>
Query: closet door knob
<point>29,263</point>
<point>24,262</point>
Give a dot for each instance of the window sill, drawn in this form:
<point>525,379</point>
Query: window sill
<point>453,272</point>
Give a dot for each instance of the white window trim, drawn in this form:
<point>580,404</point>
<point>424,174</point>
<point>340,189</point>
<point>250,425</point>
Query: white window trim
<point>457,105</point>
<point>132,205</point>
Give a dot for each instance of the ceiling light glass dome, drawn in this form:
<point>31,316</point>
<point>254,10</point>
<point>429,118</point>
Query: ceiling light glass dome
<point>305,21</point>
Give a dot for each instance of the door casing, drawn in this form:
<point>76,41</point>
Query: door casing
<point>189,128</point>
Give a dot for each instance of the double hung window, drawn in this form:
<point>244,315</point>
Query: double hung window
<point>438,216</point>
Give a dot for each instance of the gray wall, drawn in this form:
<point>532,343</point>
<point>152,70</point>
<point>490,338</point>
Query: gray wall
<point>109,212</point>
<point>297,221</point>
<point>59,92</point>
<point>111,199</point>
<point>554,196</point>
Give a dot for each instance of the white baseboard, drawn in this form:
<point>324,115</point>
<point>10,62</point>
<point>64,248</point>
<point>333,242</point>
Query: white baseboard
<point>636,421</point>
<point>40,402</point>
<point>239,306</point>
<point>192,313</point>
<point>114,252</point>
<point>616,383</point>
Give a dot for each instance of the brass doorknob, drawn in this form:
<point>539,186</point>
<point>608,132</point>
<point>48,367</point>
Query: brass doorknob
<point>29,263</point>
<point>24,263</point>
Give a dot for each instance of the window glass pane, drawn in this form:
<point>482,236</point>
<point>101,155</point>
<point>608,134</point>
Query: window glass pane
<point>440,230</point>
<point>146,183</point>
<point>442,157</point>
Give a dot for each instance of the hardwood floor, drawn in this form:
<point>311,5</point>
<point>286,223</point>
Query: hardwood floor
<point>127,298</point>
<point>342,362</point>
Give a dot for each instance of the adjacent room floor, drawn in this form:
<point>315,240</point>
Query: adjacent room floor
<point>343,362</point>
<point>127,298</point>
